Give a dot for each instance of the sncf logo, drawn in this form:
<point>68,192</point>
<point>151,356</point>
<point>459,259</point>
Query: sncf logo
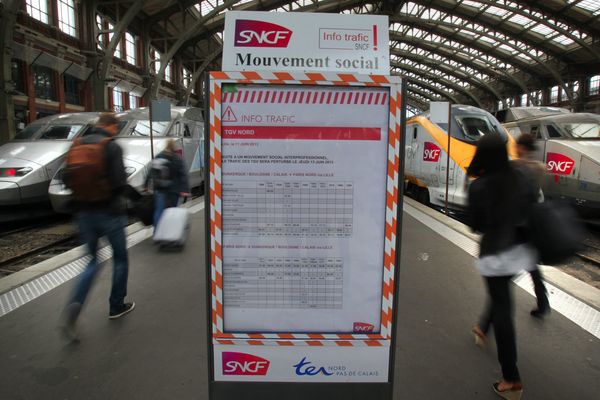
<point>249,33</point>
<point>243,364</point>
<point>559,164</point>
<point>363,327</point>
<point>431,152</point>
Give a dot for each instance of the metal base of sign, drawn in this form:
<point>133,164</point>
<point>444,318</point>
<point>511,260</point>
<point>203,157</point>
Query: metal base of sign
<point>299,391</point>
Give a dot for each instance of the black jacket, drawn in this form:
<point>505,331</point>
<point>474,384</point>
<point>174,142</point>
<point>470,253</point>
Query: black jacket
<point>116,174</point>
<point>499,205</point>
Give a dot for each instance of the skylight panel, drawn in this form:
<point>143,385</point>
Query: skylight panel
<point>506,48</point>
<point>521,20</point>
<point>590,5</point>
<point>562,39</point>
<point>542,29</point>
<point>500,12</point>
<point>488,40</point>
<point>475,4</point>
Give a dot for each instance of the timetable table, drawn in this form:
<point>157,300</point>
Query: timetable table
<point>278,208</point>
<point>283,282</point>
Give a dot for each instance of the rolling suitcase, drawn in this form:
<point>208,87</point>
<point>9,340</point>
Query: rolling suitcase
<point>173,228</point>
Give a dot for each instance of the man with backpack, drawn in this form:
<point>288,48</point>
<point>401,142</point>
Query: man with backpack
<point>169,179</point>
<point>96,175</point>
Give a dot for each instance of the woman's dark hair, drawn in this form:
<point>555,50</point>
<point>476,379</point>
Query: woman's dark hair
<point>490,157</point>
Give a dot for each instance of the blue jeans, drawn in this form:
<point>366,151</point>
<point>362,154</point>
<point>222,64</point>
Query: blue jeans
<point>163,200</point>
<point>92,226</point>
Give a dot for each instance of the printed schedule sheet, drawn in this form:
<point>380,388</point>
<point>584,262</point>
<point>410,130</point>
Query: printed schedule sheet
<point>303,207</point>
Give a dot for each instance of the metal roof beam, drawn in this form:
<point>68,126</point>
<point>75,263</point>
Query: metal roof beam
<point>443,81</point>
<point>496,23</point>
<point>448,70</point>
<point>451,53</point>
<point>431,88</point>
<point>435,26</point>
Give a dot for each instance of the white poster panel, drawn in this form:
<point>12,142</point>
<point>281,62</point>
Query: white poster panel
<point>271,41</point>
<point>303,202</point>
<point>439,112</point>
<point>301,363</point>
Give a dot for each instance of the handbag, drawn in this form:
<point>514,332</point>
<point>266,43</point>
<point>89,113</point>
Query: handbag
<point>555,231</point>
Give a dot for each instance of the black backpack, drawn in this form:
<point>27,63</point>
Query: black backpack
<point>555,231</point>
<point>161,173</point>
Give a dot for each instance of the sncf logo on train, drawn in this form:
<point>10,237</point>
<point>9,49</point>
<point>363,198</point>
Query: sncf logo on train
<point>244,364</point>
<point>431,152</point>
<point>249,33</point>
<point>559,164</point>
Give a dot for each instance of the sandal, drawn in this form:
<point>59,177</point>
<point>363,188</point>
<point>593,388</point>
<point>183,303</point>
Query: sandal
<point>480,337</point>
<point>513,392</point>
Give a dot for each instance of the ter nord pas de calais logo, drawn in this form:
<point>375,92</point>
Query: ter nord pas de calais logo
<point>431,152</point>
<point>249,33</point>
<point>244,364</point>
<point>559,164</point>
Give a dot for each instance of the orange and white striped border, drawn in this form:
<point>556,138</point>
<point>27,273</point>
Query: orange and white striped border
<point>393,171</point>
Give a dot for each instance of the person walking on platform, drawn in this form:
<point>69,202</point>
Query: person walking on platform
<point>535,172</point>
<point>169,179</point>
<point>499,200</point>
<point>96,175</point>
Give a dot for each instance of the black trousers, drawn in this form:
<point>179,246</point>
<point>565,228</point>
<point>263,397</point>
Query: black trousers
<point>501,313</point>
<point>541,295</point>
<point>540,289</point>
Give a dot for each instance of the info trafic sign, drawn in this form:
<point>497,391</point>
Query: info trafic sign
<point>267,41</point>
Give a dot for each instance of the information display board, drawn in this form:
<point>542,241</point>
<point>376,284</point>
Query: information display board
<point>303,188</point>
<point>304,175</point>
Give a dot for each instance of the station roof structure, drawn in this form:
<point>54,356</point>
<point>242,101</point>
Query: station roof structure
<point>478,52</point>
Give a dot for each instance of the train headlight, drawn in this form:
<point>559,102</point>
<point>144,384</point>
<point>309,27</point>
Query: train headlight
<point>15,172</point>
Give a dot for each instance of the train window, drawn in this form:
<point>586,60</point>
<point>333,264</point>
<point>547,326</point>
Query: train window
<point>142,128</point>
<point>581,129</point>
<point>474,127</point>
<point>553,132</point>
<point>415,133</point>
<point>535,131</point>
<point>28,132</point>
<point>186,131</point>
<point>61,132</point>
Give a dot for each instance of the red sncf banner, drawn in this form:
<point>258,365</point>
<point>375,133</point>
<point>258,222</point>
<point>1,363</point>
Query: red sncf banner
<point>559,164</point>
<point>250,33</point>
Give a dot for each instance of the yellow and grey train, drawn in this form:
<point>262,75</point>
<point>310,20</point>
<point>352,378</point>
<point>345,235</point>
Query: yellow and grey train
<point>426,155</point>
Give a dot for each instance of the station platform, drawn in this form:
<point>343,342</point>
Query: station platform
<point>159,351</point>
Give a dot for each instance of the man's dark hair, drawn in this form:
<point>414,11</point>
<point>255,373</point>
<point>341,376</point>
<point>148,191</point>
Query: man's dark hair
<point>527,140</point>
<point>107,119</point>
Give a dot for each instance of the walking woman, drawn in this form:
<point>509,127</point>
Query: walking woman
<point>499,201</point>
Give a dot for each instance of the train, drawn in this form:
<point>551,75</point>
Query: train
<point>569,145</point>
<point>30,160</point>
<point>426,155</point>
<point>31,163</point>
<point>186,127</point>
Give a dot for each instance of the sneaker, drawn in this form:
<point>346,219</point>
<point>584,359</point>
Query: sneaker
<point>127,307</point>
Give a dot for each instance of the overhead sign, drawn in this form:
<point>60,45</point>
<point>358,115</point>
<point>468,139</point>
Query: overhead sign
<point>310,42</point>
